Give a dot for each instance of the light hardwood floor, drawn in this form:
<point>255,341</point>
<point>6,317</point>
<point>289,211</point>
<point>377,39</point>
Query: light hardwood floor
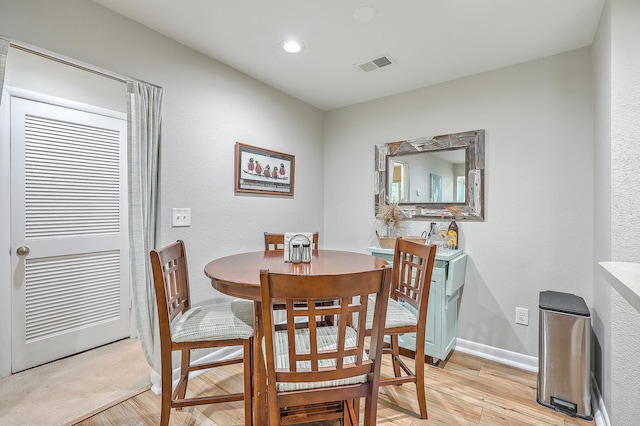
<point>462,390</point>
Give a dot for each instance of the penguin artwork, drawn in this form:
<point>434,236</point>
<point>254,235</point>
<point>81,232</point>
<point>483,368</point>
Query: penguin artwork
<point>267,171</point>
<point>274,173</point>
<point>251,166</point>
<point>258,168</point>
<point>281,169</point>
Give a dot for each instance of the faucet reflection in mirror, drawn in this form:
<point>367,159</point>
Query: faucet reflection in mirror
<point>432,177</point>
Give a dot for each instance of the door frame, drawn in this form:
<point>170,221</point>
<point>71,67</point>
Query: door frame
<point>5,235</point>
<point>6,310</point>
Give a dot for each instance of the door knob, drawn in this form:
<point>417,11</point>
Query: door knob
<point>22,251</point>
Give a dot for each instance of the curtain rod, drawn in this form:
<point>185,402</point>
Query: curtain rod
<point>75,63</point>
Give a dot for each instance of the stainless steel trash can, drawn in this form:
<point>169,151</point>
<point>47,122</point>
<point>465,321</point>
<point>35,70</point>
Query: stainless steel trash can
<point>564,354</point>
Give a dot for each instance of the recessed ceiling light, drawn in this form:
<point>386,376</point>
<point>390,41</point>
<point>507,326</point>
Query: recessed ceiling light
<point>364,14</point>
<point>292,46</point>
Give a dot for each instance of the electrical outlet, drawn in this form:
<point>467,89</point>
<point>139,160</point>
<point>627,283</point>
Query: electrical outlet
<point>522,316</point>
<point>181,217</point>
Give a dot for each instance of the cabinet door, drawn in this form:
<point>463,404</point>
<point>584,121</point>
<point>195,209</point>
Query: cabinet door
<point>442,313</point>
<point>433,338</point>
<point>435,310</point>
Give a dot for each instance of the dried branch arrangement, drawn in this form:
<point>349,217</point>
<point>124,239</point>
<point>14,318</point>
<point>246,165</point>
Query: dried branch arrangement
<point>390,214</point>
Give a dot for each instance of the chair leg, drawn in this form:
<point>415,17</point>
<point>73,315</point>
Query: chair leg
<point>273,410</point>
<point>247,353</point>
<point>356,408</point>
<point>371,408</point>
<point>420,385</point>
<point>395,353</point>
<point>184,375</point>
<point>166,390</point>
<point>351,412</point>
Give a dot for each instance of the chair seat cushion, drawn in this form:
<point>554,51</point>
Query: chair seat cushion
<point>216,321</point>
<point>397,315</point>
<point>327,338</point>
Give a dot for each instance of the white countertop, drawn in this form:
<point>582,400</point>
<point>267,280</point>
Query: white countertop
<point>625,278</point>
<point>441,254</point>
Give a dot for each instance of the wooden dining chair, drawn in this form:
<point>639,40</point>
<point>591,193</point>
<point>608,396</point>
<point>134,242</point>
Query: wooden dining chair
<point>407,312</point>
<point>319,373</point>
<point>185,328</point>
<point>276,241</point>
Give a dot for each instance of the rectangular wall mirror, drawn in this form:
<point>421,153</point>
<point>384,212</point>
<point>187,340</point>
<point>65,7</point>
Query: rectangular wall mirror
<point>433,177</point>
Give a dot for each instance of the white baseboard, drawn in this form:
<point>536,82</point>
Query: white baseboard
<point>530,363</point>
<point>600,414</point>
<point>512,359</point>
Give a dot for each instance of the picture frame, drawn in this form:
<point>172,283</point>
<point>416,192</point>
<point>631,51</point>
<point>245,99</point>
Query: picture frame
<point>263,171</point>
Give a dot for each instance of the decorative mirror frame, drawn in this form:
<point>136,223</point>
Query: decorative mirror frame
<point>473,207</point>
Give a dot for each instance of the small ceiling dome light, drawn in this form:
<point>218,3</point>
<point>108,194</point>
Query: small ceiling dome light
<point>292,46</point>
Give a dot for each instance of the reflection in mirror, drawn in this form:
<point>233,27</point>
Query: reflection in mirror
<point>428,177</point>
<point>433,177</point>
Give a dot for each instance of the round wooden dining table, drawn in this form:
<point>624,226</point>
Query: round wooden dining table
<point>239,276</point>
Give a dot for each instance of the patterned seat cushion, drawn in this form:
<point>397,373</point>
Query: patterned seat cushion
<point>397,315</point>
<point>216,321</point>
<point>327,339</point>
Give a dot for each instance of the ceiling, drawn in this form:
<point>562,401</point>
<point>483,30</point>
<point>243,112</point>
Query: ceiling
<point>427,41</point>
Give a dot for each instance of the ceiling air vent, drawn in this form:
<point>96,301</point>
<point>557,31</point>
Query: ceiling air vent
<point>375,64</point>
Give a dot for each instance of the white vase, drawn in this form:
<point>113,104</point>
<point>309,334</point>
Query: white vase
<point>391,230</point>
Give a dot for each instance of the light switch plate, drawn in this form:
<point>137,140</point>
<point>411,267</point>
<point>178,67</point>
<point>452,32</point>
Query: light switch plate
<point>181,217</point>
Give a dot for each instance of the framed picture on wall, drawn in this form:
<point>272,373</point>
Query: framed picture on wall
<point>262,171</point>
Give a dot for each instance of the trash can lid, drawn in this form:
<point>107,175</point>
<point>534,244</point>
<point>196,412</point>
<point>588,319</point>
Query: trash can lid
<point>563,302</point>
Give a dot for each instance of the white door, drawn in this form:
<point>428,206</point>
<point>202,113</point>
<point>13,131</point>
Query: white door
<point>70,283</point>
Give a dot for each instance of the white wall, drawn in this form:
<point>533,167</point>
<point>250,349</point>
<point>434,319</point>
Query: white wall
<point>616,325</point>
<point>601,313</point>
<point>623,407</point>
<point>41,75</point>
<point>539,177</point>
<point>625,130</point>
<point>625,205</point>
<point>208,107</point>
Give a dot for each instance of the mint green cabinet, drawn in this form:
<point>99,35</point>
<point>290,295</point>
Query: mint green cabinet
<point>442,315</point>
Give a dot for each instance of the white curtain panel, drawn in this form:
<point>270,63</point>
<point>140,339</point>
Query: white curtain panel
<point>4,50</point>
<point>144,124</point>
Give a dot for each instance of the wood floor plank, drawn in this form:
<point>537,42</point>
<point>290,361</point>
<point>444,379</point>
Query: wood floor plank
<point>496,418</point>
<point>462,390</point>
<point>510,398</point>
<point>571,421</point>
